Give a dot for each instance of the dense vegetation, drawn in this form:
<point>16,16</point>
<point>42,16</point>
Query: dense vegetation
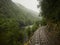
<point>13,18</point>
<point>50,10</point>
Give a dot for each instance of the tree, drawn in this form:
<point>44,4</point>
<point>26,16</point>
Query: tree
<point>50,9</point>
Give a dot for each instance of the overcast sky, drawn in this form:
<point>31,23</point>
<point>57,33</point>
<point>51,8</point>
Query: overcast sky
<point>31,4</point>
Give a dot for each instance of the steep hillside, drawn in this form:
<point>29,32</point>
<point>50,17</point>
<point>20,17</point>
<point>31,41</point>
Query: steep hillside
<point>18,12</point>
<point>26,15</point>
<point>12,18</point>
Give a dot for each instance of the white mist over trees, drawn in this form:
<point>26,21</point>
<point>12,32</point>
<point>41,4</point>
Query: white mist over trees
<point>31,4</point>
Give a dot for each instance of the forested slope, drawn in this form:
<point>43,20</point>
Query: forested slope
<point>12,18</point>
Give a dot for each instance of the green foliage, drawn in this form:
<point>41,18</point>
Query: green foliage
<point>12,18</point>
<point>29,32</point>
<point>8,31</point>
<point>50,9</point>
<point>43,22</point>
<point>35,26</point>
<point>24,15</point>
